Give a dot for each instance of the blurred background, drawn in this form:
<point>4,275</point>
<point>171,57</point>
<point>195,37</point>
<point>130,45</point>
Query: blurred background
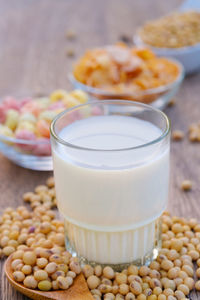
<point>35,53</point>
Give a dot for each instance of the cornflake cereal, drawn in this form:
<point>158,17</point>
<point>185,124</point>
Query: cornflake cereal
<point>120,69</point>
<point>39,260</point>
<point>173,31</point>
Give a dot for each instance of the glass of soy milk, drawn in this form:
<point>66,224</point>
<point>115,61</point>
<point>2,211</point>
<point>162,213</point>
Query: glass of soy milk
<point>111,168</point>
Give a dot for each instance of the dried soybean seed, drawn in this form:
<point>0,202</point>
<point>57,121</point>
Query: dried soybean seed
<point>40,275</point>
<point>26,269</point>
<point>15,263</point>
<point>157,290</point>
<point>29,258</point>
<point>8,250</point>
<point>168,292</point>
<point>197,285</point>
<point>71,274</point>
<point>135,287</point>
<point>141,297</point>
<point>51,267</point>
<point>188,270</point>
<point>45,285</point>
<point>106,281</point>
<point>144,271</point>
<point>194,254</point>
<point>30,282</point>
<point>93,282</point>
<point>108,272</point>
<point>121,278</point>
<point>95,292</point>
<point>123,289</point>
<point>162,297</point>
<point>130,296</point>
<point>186,185</point>
<point>179,295</point>
<point>132,270</point>
<point>63,283</point>
<point>41,262</point>
<point>183,288</point>
<point>105,288</point>
<point>177,135</point>
<point>189,282</point>
<point>166,265</point>
<point>98,270</point>
<point>115,289</point>
<point>152,297</point>
<point>87,271</point>
<point>75,267</point>
<point>18,276</point>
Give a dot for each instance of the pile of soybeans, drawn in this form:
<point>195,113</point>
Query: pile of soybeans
<point>35,239</point>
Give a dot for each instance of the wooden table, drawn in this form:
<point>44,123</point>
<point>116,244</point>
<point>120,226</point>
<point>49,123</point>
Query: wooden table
<point>33,61</point>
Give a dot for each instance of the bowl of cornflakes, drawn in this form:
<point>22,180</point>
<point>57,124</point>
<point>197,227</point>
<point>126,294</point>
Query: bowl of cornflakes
<point>25,126</point>
<point>122,72</point>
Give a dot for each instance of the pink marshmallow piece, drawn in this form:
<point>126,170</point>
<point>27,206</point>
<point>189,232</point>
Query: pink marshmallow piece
<point>56,105</point>
<point>43,149</point>
<point>2,113</point>
<point>11,103</point>
<point>24,102</point>
<point>31,107</point>
<point>27,135</point>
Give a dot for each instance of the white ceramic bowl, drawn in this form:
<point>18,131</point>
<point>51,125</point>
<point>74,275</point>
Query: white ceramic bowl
<point>188,56</point>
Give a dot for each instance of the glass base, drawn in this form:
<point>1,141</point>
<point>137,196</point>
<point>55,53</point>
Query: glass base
<point>138,246</point>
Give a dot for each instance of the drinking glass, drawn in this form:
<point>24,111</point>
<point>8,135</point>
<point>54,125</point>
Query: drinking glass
<point>111,168</point>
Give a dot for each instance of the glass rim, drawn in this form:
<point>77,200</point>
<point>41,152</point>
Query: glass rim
<point>164,134</point>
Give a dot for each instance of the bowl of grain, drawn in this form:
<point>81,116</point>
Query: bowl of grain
<point>176,35</point>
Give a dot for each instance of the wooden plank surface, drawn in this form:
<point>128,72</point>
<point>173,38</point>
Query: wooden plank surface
<point>33,60</point>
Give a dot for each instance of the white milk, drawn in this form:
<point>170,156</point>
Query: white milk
<point>111,199</point>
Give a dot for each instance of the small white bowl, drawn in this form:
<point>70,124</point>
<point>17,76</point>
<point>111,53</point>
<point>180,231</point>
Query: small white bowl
<point>188,56</point>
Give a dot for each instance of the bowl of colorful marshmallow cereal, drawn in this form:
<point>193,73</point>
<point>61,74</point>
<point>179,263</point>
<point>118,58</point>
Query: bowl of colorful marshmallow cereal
<point>25,123</point>
<point>131,73</point>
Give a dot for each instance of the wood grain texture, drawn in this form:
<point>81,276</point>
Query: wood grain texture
<point>33,60</point>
